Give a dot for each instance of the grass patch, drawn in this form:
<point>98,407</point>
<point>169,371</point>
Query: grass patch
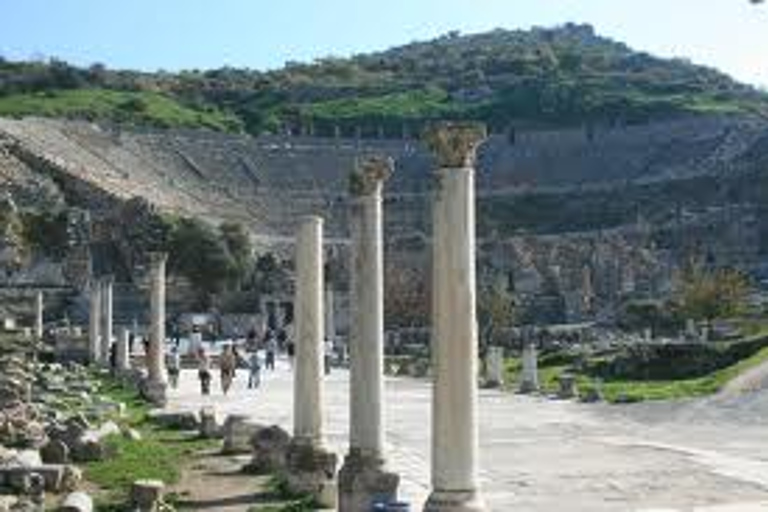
<point>144,108</point>
<point>626,390</point>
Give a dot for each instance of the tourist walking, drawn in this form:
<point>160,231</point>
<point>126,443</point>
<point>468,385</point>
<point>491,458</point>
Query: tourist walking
<point>270,347</point>
<point>228,366</point>
<point>254,370</point>
<point>173,364</point>
<point>204,371</point>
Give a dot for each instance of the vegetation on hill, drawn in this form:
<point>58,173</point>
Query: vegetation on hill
<point>561,75</point>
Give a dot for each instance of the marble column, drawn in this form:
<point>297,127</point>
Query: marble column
<point>495,377</point>
<point>39,315</point>
<point>106,319</point>
<point>530,372</point>
<point>308,378</point>
<point>330,317</point>
<point>94,321</point>
<point>123,361</point>
<point>157,382</point>
<point>310,468</point>
<point>363,477</point>
<point>454,330</point>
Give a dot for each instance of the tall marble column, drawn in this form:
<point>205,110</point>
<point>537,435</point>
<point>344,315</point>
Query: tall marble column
<point>106,318</point>
<point>122,357</point>
<point>530,374</point>
<point>454,330</point>
<point>157,381</point>
<point>308,378</point>
<point>39,305</point>
<point>310,468</point>
<point>94,321</point>
<point>363,477</point>
<point>330,317</point>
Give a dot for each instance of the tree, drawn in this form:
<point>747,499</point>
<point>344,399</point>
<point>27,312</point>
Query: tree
<point>707,294</point>
<point>239,248</point>
<point>406,296</point>
<point>495,310</point>
<point>197,253</point>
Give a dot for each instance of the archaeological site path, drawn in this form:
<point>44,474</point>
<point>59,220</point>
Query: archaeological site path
<point>553,456</point>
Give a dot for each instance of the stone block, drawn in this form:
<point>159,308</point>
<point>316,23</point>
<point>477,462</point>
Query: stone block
<point>77,502</point>
<point>270,447</point>
<point>55,452</point>
<point>238,432</point>
<point>311,470</point>
<point>183,420</point>
<point>210,428</point>
<point>363,481</point>
<point>146,495</point>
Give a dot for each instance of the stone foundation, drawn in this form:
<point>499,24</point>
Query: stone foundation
<point>270,448</point>
<point>155,392</point>
<point>363,481</point>
<point>311,470</point>
<point>455,501</point>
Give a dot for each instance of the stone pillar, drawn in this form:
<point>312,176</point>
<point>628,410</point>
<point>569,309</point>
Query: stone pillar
<point>529,382</point>
<point>156,385</point>
<point>330,317</point>
<point>106,318</point>
<point>94,322</point>
<point>123,362</point>
<point>454,330</point>
<point>309,467</point>
<point>39,315</point>
<point>363,477</point>
<point>495,376</point>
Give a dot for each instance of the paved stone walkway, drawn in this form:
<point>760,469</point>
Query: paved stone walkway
<point>542,455</point>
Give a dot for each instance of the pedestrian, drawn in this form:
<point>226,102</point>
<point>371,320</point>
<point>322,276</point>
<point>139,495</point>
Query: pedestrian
<point>227,366</point>
<point>270,349</point>
<point>328,355</point>
<point>254,367</point>
<point>290,350</point>
<point>204,371</point>
<point>174,366</point>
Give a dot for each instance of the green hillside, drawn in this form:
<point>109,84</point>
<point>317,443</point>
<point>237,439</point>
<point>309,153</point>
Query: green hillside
<point>563,75</point>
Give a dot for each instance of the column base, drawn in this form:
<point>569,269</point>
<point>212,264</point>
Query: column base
<point>363,481</point>
<point>455,501</point>
<point>155,392</point>
<point>528,387</point>
<point>311,470</point>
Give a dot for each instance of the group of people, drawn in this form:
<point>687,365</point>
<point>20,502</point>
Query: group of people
<point>229,361</point>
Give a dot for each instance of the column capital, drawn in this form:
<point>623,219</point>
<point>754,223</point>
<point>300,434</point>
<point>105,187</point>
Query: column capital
<point>107,279</point>
<point>455,143</point>
<point>369,174</point>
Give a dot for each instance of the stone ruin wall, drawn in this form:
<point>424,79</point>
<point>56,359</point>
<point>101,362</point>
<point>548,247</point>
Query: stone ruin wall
<point>268,182</point>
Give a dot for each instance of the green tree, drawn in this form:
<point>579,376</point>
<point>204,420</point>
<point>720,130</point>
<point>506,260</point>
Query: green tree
<point>197,253</point>
<point>238,245</point>
<point>709,294</point>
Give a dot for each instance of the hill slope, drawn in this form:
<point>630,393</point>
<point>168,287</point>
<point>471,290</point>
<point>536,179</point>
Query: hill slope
<point>565,75</point>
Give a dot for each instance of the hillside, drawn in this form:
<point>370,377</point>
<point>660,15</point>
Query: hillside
<point>561,76</point>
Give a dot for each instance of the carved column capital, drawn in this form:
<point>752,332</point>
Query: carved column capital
<point>369,174</point>
<point>455,144</point>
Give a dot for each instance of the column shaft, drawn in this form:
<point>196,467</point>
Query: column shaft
<point>308,377</point>
<point>122,356</point>
<point>156,356</point>
<point>454,342</point>
<point>39,315</point>
<point>106,319</point>
<point>94,322</point>
<point>367,327</point>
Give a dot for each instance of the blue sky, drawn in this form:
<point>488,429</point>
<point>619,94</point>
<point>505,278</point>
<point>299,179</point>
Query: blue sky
<point>731,35</point>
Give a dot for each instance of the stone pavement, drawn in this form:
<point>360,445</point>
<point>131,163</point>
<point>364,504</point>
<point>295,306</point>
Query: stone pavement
<point>541,455</point>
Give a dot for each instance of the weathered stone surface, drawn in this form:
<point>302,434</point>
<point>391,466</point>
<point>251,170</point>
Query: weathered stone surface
<point>186,420</point>
<point>270,447</point>
<point>147,494</point>
<point>210,428</point>
<point>362,481</point>
<point>567,386</point>
<point>311,470</point>
<point>55,452</point>
<point>77,502</point>
<point>238,431</point>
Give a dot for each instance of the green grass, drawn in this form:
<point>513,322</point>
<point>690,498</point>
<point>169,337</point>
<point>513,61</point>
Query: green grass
<point>146,108</point>
<point>634,390</point>
<point>415,104</point>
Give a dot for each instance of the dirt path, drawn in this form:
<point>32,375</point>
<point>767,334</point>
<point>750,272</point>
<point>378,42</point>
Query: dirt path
<point>752,380</point>
<point>214,482</point>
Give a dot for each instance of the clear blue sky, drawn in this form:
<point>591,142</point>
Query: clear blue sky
<point>731,35</point>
